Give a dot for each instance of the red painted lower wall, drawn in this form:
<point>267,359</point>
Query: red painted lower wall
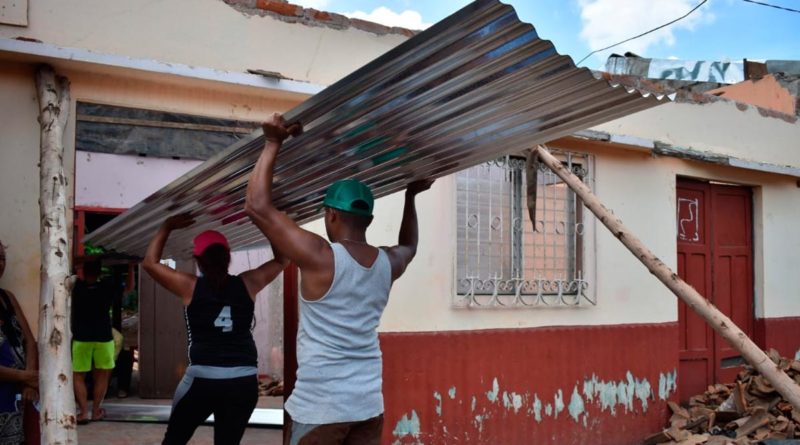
<point>783,334</point>
<point>564,385</point>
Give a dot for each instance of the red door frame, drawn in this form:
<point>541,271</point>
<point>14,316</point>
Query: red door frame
<point>80,223</point>
<point>725,246</point>
<point>290,324</point>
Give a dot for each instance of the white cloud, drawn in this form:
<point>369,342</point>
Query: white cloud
<point>407,19</point>
<point>319,5</point>
<point>606,22</point>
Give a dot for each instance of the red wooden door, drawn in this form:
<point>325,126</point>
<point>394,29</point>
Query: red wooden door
<point>696,344</point>
<point>732,268</point>
<point>715,257</point>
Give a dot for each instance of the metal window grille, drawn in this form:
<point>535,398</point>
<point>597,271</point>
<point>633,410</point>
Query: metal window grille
<point>503,259</point>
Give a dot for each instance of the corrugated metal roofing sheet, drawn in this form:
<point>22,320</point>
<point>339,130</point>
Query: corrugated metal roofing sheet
<point>476,85</point>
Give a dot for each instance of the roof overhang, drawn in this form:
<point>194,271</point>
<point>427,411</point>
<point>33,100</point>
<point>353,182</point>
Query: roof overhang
<point>477,85</point>
<point>83,59</point>
<point>659,148</point>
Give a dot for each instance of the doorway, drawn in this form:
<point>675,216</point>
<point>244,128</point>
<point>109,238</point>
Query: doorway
<point>715,256</point>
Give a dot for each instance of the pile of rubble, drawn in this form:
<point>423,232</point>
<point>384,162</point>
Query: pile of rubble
<point>270,388</point>
<point>743,413</point>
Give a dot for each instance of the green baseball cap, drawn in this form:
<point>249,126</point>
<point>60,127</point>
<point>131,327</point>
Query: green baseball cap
<point>350,195</point>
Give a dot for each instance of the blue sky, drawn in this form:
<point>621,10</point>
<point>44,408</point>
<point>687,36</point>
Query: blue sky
<point>719,30</point>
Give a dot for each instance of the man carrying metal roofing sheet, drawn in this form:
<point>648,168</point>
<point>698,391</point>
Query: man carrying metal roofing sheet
<point>345,286</point>
<point>219,309</point>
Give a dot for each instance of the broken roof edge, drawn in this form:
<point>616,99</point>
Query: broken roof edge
<point>393,54</point>
<point>660,148</point>
<point>292,13</point>
<point>679,94</point>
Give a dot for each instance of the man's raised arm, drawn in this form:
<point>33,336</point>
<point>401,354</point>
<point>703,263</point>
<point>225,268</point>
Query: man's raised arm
<point>401,255</point>
<point>298,245</point>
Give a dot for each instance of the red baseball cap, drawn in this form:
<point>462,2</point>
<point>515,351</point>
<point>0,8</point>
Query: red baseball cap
<point>206,239</point>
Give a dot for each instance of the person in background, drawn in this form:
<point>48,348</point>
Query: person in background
<point>92,340</point>
<point>219,308</point>
<point>19,378</point>
<point>345,284</point>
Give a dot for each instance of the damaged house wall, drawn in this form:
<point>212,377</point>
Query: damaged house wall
<point>204,33</point>
<point>595,373</point>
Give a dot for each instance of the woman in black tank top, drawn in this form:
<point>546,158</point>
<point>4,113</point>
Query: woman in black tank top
<point>219,308</point>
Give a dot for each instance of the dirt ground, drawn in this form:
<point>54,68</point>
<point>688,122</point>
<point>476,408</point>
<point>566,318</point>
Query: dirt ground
<point>122,433</point>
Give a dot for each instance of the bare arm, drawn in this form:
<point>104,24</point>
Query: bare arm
<point>400,256</point>
<point>26,377</point>
<point>179,283</point>
<point>256,279</point>
<point>306,249</point>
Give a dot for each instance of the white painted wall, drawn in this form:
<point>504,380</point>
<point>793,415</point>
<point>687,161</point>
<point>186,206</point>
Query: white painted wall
<point>14,12</point>
<point>121,181</point>
<point>640,189</point>
<point>721,127</point>
<point>206,33</point>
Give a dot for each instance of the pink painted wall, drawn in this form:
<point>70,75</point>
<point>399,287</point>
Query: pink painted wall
<point>765,92</point>
<point>121,181</point>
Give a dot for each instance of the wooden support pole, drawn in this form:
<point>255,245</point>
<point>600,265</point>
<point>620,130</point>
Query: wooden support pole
<point>700,305</point>
<point>55,363</point>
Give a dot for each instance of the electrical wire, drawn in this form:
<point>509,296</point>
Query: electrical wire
<point>773,6</point>
<point>646,32</point>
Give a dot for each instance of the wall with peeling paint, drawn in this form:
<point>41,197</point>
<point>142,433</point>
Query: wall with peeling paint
<point>766,92</point>
<point>576,385</point>
<point>204,33</point>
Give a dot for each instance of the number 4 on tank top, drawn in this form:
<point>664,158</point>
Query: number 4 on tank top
<point>224,320</point>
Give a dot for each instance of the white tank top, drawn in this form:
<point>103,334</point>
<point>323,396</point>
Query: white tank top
<point>339,375</point>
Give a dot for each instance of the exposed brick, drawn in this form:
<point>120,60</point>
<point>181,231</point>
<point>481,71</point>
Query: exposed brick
<point>338,20</point>
<point>404,31</point>
<point>321,16</point>
<point>372,27</point>
<point>292,13</point>
<point>280,7</point>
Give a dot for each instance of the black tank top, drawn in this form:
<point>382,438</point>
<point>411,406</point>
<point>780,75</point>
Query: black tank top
<point>218,325</point>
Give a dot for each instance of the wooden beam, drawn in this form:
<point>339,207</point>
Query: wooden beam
<point>164,124</point>
<point>57,399</point>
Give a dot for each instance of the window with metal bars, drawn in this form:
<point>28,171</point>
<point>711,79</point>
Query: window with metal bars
<point>505,259</point>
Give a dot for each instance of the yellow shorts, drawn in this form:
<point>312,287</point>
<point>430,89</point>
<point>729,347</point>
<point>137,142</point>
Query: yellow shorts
<point>84,352</point>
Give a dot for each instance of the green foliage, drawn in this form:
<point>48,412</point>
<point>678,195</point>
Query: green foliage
<point>90,250</point>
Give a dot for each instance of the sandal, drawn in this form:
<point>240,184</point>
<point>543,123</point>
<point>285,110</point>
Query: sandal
<point>99,416</point>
